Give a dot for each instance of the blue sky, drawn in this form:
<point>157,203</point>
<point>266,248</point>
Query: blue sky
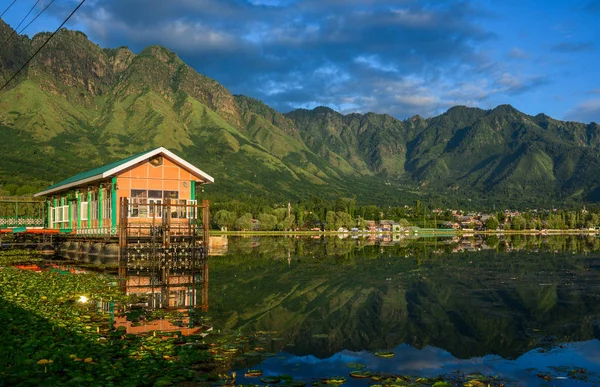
<point>402,57</point>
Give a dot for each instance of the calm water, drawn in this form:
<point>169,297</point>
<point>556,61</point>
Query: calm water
<point>514,307</point>
<point>521,308</point>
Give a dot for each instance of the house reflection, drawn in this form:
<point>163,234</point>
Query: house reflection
<point>180,292</point>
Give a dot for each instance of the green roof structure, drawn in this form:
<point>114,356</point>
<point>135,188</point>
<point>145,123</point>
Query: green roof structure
<point>118,166</point>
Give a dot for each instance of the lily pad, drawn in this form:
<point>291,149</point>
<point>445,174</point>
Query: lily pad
<point>361,374</point>
<point>271,379</point>
<point>356,366</point>
<point>384,354</point>
<point>334,380</point>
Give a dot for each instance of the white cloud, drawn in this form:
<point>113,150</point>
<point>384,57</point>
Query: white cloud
<point>586,111</point>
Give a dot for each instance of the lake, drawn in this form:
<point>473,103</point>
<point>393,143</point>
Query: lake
<point>497,310</point>
<point>524,308</point>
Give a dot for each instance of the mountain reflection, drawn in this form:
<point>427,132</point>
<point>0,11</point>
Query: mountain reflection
<point>472,297</point>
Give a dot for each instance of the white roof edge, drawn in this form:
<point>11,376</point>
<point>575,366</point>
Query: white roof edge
<point>166,152</point>
<point>62,187</point>
<point>113,171</point>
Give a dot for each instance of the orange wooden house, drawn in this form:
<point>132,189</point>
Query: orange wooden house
<point>88,203</point>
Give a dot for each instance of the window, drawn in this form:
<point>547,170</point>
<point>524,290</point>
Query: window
<point>84,210</point>
<point>106,206</point>
<point>192,210</point>
<point>179,209</point>
<point>155,208</point>
<point>61,214</point>
<point>171,194</point>
<point>137,206</point>
<point>74,209</point>
<point>155,194</point>
<point>94,206</point>
<point>144,204</point>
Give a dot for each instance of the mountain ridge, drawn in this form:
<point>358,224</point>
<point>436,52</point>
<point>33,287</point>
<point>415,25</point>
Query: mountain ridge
<point>79,105</point>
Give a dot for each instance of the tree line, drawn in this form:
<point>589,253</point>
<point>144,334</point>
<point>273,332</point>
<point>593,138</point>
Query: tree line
<point>257,213</point>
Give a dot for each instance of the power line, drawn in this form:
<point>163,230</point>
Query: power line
<point>43,45</point>
<point>36,16</point>
<point>22,20</point>
<point>7,8</point>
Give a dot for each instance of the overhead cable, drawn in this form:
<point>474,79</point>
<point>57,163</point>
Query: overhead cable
<point>42,46</point>
<point>7,8</point>
<point>36,16</point>
<point>19,25</point>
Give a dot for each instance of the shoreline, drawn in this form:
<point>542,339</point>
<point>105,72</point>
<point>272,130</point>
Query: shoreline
<point>418,232</point>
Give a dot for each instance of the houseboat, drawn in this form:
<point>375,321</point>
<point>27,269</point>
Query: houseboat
<point>153,185</point>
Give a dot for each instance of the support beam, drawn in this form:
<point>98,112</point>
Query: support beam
<point>114,212</point>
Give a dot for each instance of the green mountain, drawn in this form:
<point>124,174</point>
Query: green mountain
<point>77,106</point>
<point>500,154</point>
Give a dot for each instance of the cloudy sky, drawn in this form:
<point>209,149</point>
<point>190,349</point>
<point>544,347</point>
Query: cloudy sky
<point>401,57</point>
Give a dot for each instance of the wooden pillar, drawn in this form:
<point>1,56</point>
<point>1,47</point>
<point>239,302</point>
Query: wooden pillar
<point>166,223</point>
<point>205,225</point>
<point>205,288</point>
<point>124,203</point>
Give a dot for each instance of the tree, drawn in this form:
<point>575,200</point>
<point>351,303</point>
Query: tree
<point>330,220</point>
<point>491,223</point>
<point>517,222</point>
<point>343,219</point>
<point>572,220</point>
<point>224,218</point>
<point>362,224</point>
<point>267,222</point>
<point>280,213</point>
<point>287,223</point>
<point>244,222</point>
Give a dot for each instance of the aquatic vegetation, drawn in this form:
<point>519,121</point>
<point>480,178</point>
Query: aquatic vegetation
<point>361,374</point>
<point>12,257</point>
<point>270,379</point>
<point>52,338</point>
<point>356,366</point>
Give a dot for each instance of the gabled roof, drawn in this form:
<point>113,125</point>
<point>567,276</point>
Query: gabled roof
<point>113,169</point>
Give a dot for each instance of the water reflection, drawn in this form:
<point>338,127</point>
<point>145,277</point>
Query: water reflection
<point>443,303</point>
<point>573,364</point>
<point>179,287</point>
<point>471,297</point>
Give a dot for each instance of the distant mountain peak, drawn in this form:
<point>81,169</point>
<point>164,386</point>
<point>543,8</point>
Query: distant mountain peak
<point>81,104</point>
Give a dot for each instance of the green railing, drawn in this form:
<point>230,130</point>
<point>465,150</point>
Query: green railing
<point>20,221</point>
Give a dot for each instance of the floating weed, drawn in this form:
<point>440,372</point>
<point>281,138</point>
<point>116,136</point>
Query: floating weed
<point>333,380</point>
<point>271,379</point>
<point>361,374</point>
<point>62,341</point>
<point>355,366</point>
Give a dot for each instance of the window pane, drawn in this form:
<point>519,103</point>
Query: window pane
<point>139,193</point>
<point>155,194</point>
<point>171,194</point>
<point>154,208</point>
